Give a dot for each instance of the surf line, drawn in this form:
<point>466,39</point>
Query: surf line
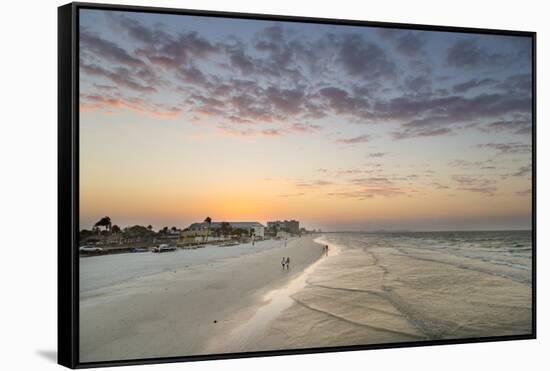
<point>277,301</point>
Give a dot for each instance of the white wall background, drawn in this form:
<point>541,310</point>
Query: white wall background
<point>28,151</point>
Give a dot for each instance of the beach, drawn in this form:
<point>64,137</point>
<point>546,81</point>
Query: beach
<point>172,304</point>
<point>370,289</point>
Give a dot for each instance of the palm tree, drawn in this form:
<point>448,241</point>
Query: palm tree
<point>225,228</point>
<point>116,231</point>
<point>208,221</point>
<point>104,222</point>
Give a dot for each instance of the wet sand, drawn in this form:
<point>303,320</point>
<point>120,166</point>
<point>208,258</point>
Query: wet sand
<point>245,336</point>
<point>383,295</point>
<point>186,310</point>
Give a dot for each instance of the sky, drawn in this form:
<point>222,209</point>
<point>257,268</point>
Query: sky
<point>339,127</point>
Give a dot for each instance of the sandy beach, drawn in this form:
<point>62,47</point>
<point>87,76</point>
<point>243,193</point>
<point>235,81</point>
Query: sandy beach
<point>140,309</point>
<point>370,289</point>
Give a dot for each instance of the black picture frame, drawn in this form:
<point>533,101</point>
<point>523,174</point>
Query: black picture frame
<point>68,183</point>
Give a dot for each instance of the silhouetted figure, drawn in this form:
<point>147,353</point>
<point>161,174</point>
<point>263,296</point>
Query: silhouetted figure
<point>326,250</point>
<point>283,262</point>
<point>287,262</point>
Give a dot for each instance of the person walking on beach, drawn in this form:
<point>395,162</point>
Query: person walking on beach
<point>287,262</point>
<point>283,262</point>
<point>326,250</point>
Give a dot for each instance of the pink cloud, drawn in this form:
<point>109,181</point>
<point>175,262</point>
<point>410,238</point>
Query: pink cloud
<point>90,103</point>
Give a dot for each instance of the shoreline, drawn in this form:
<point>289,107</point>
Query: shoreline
<point>379,293</point>
<point>275,302</point>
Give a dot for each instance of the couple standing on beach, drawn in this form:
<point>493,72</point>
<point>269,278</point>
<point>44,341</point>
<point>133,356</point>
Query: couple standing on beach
<point>285,262</point>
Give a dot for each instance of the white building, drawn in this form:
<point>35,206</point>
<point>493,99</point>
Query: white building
<point>253,228</point>
<point>259,230</point>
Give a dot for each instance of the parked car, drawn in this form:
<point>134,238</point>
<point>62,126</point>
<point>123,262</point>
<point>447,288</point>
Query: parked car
<point>164,248</point>
<point>90,249</point>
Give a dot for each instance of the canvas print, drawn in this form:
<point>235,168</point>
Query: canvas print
<point>260,185</point>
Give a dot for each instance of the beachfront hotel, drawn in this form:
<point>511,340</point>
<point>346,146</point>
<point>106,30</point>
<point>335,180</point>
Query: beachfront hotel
<point>253,228</point>
<point>290,226</point>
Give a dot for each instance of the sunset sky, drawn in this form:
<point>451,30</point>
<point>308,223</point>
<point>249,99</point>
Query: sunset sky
<point>340,127</point>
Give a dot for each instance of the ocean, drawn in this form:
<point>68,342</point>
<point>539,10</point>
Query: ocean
<point>512,249</point>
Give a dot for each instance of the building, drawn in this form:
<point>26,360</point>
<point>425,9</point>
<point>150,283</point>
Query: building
<point>189,237</point>
<point>293,226</point>
<point>290,226</point>
<point>252,228</point>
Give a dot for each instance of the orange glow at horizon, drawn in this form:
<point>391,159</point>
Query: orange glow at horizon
<point>147,172</point>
